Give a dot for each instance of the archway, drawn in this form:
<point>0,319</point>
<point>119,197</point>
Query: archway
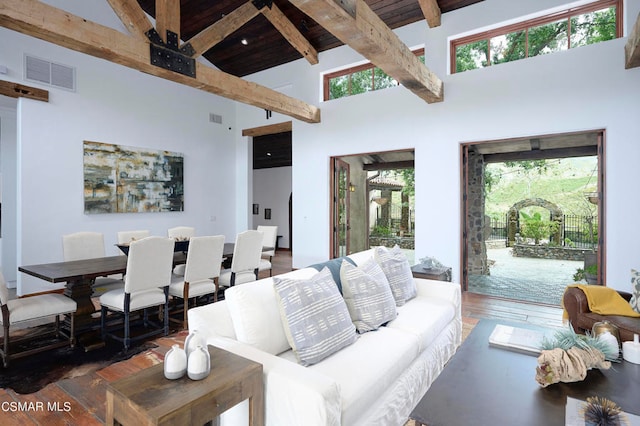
<point>513,218</point>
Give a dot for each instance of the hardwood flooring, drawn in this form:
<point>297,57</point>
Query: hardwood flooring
<point>81,400</point>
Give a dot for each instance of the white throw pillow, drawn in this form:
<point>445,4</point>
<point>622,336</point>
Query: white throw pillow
<point>368,296</point>
<point>315,316</point>
<point>635,290</point>
<point>256,317</point>
<point>398,272</point>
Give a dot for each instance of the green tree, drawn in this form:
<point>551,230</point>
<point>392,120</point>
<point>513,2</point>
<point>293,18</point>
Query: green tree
<point>533,226</point>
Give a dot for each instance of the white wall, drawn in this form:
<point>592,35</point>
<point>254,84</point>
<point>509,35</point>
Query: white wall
<point>271,190</point>
<point>585,88</point>
<point>112,104</point>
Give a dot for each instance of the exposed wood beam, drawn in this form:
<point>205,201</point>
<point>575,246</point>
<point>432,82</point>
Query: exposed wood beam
<point>132,16</point>
<point>546,154</point>
<point>391,165</point>
<point>355,24</point>
<point>431,12</point>
<point>268,130</point>
<point>291,33</point>
<point>57,26</point>
<point>632,48</point>
<point>15,90</point>
<point>218,31</point>
<point>168,18</point>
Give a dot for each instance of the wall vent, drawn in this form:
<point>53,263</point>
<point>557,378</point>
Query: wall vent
<point>215,118</point>
<point>43,71</point>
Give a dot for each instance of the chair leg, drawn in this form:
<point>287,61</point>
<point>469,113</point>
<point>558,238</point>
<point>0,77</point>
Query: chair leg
<point>215,295</point>
<point>103,322</point>
<point>72,331</point>
<point>5,352</point>
<point>185,304</point>
<point>166,311</point>
<point>127,308</point>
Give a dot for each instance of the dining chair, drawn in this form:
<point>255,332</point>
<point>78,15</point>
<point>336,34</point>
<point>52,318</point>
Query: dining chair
<point>89,245</point>
<point>246,260</point>
<point>270,235</point>
<point>204,260</point>
<point>146,285</point>
<point>181,233</point>
<point>125,237</point>
<point>21,310</point>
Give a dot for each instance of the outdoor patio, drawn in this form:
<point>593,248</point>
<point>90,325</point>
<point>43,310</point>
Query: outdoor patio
<point>527,279</point>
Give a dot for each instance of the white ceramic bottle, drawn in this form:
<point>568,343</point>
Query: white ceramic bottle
<point>193,340</point>
<point>175,363</point>
<point>199,363</point>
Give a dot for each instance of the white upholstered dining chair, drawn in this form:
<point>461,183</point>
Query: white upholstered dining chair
<point>125,237</point>
<point>89,245</point>
<point>22,310</point>
<point>246,260</point>
<point>269,237</point>
<point>146,285</point>
<point>204,260</point>
<point>181,233</point>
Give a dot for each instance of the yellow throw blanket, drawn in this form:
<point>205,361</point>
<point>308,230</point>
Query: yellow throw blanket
<point>606,301</point>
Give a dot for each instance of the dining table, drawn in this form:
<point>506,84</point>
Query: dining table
<point>79,276</point>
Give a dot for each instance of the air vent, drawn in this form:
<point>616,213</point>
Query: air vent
<point>43,71</point>
<point>215,118</point>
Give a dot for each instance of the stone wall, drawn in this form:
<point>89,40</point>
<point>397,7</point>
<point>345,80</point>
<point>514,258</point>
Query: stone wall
<point>476,219</point>
<point>546,252</point>
<point>402,242</point>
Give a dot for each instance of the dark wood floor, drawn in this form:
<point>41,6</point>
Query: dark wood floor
<point>473,305</point>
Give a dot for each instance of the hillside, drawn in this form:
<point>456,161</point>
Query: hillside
<point>564,182</point>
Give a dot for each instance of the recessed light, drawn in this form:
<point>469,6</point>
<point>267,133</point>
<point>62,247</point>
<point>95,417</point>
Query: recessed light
<point>244,41</point>
<point>268,154</point>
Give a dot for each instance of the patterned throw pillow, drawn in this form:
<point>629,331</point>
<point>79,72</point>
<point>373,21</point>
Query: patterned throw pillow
<point>635,290</point>
<point>398,272</point>
<point>315,317</point>
<point>368,296</point>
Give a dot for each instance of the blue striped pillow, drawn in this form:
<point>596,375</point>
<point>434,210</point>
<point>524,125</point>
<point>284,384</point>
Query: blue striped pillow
<point>314,315</point>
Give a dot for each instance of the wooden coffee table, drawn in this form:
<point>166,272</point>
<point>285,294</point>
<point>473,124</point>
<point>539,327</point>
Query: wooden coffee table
<point>484,385</point>
<point>148,398</point>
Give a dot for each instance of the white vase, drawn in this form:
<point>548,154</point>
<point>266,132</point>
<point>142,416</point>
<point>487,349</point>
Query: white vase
<point>175,363</point>
<point>193,340</point>
<point>199,363</point>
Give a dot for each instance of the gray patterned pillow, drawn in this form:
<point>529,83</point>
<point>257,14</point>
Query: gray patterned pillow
<point>368,296</point>
<point>315,316</point>
<point>398,272</point>
<point>635,290</point>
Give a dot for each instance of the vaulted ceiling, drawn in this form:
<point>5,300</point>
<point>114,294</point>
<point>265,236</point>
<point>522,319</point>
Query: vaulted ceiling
<point>266,46</point>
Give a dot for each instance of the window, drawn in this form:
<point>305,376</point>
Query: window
<point>360,79</point>
<point>567,29</point>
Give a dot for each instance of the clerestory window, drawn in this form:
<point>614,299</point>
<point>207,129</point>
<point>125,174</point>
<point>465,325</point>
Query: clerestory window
<point>360,79</point>
<point>567,29</point>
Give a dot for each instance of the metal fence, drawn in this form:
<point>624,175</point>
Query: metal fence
<point>578,231</point>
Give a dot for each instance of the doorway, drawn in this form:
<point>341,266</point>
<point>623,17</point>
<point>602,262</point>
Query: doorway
<point>372,202</point>
<point>538,234</point>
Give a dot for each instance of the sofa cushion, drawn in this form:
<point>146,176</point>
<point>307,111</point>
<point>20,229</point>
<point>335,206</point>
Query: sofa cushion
<point>315,317</point>
<point>256,318</point>
<point>635,290</point>
<point>424,318</point>
<point>398,272</point>
<point>334,266</point>
<point>367,294</point>
<point>366,370</point>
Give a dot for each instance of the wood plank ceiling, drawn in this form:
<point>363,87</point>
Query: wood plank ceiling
<point>266,46</point>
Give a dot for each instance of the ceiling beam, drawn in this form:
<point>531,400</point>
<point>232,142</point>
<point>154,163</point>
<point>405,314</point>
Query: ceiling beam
<point>632,48</point>
<point>356,25</point>
<point>431,12</point>
<point>391,165</point>
<point>15,90</point>
<point>543,154</point>
<point>268,129</point>
<point>132,16</point>
<point>168,18</point>
<point>57,26</point>
<point>291,33</point>
<point>222,28</point>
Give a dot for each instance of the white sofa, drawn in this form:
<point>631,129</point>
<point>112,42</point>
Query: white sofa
<point>377,380</point>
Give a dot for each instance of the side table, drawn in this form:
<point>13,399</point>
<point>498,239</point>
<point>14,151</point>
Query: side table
<point>440,274</point>
<point>148,398</point>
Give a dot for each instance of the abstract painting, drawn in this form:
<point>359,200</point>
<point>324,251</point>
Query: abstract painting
<point>122,179</point>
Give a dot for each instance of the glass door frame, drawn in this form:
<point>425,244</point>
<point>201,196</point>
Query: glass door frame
<point>339,194</point>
